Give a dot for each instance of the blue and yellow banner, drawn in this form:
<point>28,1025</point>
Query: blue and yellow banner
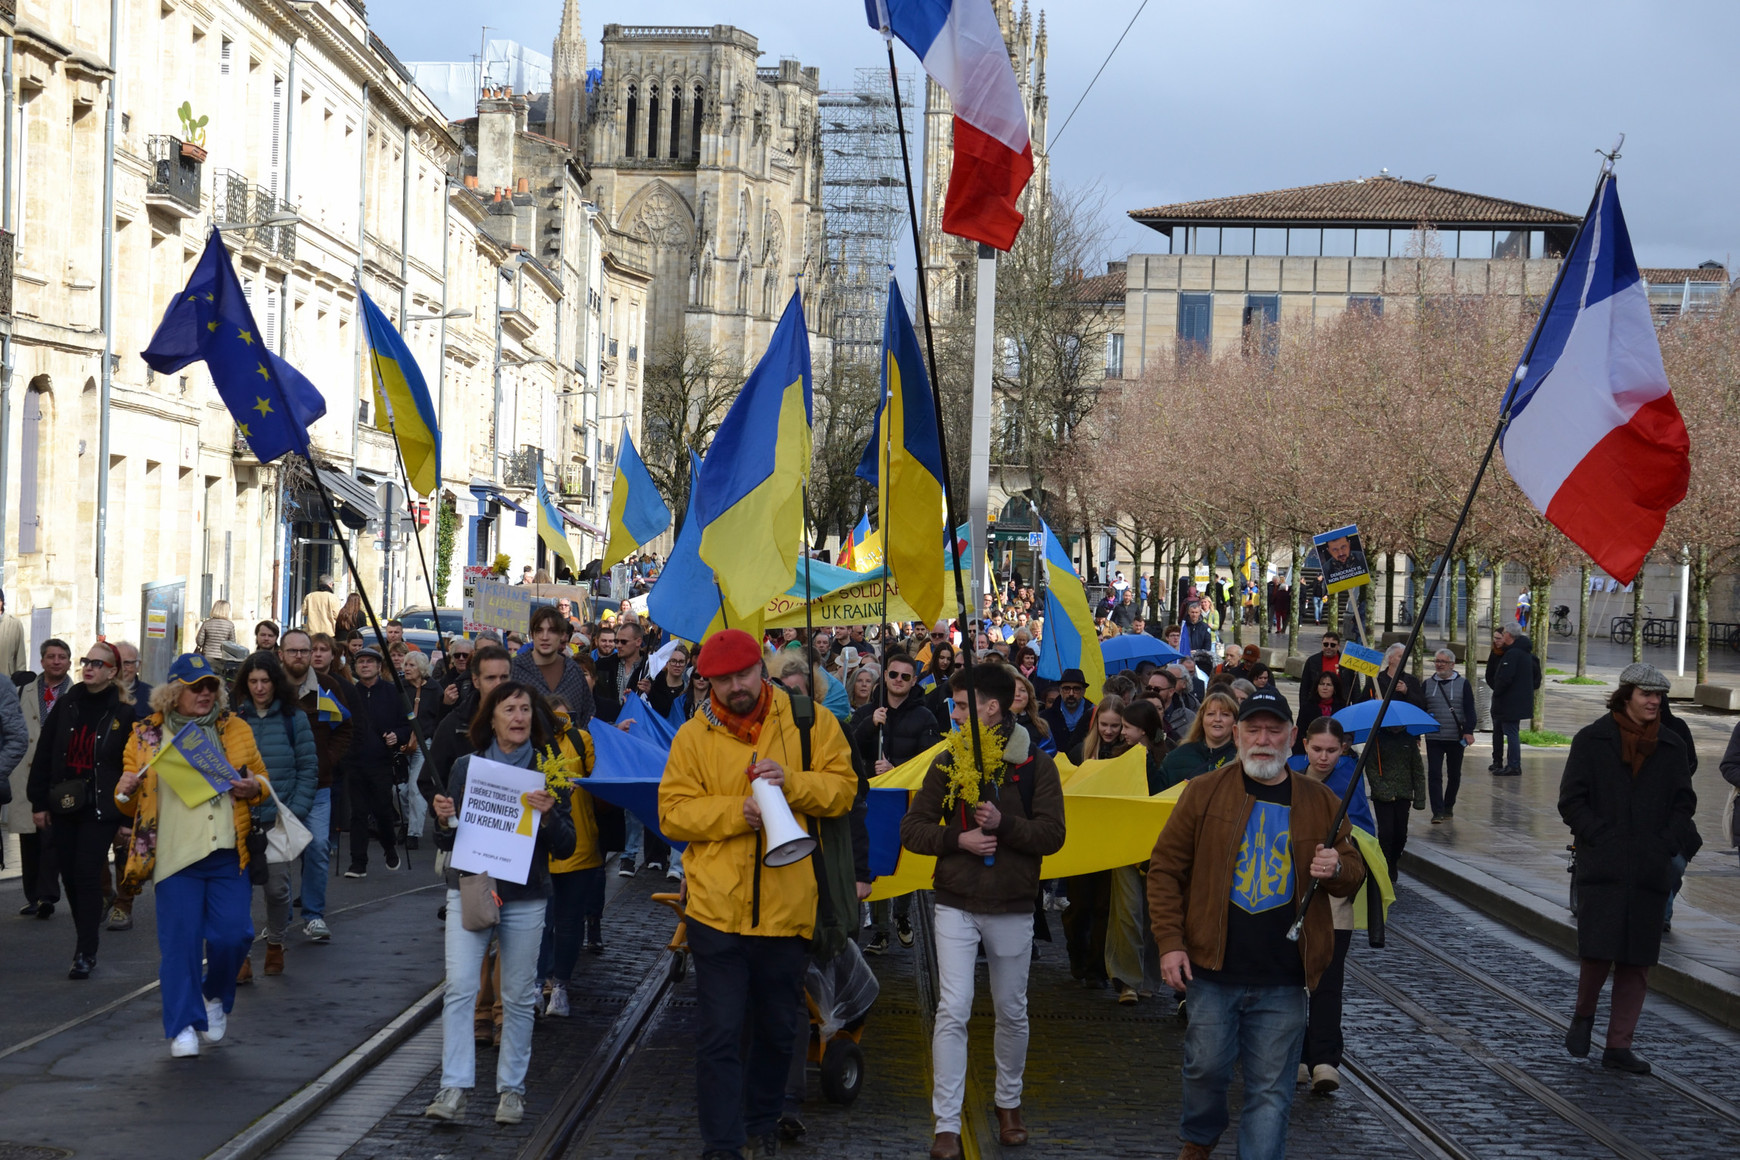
<point>550,529</point>
<point>403,408</point>
<point>749,500</point>
<point>193,766</point>
<point>637,512</point>
<point>904,460</point>
<point>1070,641</point>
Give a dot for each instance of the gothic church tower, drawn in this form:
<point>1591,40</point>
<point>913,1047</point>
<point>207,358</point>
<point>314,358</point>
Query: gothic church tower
<point>567,117</point>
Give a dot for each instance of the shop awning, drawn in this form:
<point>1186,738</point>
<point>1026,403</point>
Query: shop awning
<point>355,502</point>
<point>484,490</point>
<point>586,526</point>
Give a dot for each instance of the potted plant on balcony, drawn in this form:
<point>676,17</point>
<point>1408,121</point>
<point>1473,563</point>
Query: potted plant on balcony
<point>192,134</point>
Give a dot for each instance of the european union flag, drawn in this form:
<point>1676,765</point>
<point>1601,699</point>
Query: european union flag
<point>270,400</point>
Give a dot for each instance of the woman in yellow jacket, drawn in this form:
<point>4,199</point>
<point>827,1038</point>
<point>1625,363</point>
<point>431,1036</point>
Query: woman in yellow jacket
<point>749,923</point>
<point>197,856</point>
<point>576,906</point>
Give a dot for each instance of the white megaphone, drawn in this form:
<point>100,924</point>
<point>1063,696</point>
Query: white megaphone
<point>786,840</point>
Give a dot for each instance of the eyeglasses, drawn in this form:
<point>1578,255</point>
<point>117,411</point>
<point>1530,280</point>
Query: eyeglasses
<point>130,664</point>
<point>289,652</point>
<point>94,663</point>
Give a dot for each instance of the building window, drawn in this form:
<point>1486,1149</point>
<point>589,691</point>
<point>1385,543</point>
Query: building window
<point>29,465</point>
<point>1195,313</point>
<point>676,123</point>
<point>697,107</point>
<point>1370,304</point>
<point>1262,325</point>
<point>652,121</point>
<point>633,119</point>
<point>1114,356</point>
<point>276,166</point>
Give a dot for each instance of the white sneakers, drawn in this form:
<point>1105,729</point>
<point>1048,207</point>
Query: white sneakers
<point>1325,1078</point>
<point>449,1104</point>
<point>558,1004</point>
<point>216,1022</point>
<point>511,1108</point>
<point>185,1045</point>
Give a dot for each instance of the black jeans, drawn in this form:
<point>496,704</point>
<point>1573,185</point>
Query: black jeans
<point>1323,1024</point>
<point>1085,922</point>
<point>371,796</point>
<point>743,979</point>
<point>81,850</point>
<point>36,862</point>
<point>1392,832</point>
<point>575,896</point>
<point>1443,774</point>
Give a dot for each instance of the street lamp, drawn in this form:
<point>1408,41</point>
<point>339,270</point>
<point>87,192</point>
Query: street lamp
<point>431,317</point>
<point>282,218</point>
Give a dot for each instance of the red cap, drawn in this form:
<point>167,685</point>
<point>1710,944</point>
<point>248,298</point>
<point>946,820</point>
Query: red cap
<point>728,651</point>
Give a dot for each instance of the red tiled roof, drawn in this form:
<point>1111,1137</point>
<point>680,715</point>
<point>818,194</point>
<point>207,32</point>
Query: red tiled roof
<point>1373,201</point>
<point>1107,287</point>
<point>1659,276</point>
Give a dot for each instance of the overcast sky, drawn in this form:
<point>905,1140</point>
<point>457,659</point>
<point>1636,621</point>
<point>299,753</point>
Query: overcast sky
<point>1502,97</point>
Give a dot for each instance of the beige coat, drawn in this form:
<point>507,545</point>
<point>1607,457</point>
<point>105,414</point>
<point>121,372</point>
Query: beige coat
<point>14,657</point>
<point>18,819</point>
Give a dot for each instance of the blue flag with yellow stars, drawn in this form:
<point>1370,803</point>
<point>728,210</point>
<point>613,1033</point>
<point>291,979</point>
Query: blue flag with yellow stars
<point>272,403</point>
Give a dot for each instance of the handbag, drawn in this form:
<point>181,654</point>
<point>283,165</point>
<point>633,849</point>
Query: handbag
<point>69,795</point>
<point>479,904</point>
<point>288,837</point>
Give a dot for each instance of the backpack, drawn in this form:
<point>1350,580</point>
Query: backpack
<point>836,876</point>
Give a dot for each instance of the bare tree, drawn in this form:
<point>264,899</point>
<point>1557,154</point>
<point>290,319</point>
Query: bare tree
<point>689,386</point>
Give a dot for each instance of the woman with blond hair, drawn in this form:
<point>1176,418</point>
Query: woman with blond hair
<point>1208,745</point>
<point>196,856</point>
<point>217,631</point>
<point>72,785</point>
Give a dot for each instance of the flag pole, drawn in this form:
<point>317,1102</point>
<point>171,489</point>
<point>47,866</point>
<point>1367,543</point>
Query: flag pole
<point>954,545</point>
<point>882,507</point>
<point>368,609</point>
<point>1444,557</point>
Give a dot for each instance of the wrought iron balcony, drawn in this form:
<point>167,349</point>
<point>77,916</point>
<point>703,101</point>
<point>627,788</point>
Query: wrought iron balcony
<point>236,201</point>
<point>520,468</point>
<point>175,177</point>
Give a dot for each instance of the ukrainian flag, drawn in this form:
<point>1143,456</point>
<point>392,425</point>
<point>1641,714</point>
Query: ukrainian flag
<point>909,494</point>
<point>857,536</point>
<point>1070,641</point>
<point>402,405</point>
<point>550,521</point>
<point>749,499</point>
<point>684,600</point>
<point>328,709</point>
<point>637,514</point>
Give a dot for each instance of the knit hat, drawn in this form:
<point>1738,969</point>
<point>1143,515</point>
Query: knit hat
<point>729,651</point>
<point>1645,676</point>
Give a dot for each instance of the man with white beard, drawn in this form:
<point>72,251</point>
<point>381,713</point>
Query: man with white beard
<point>1222,894</point>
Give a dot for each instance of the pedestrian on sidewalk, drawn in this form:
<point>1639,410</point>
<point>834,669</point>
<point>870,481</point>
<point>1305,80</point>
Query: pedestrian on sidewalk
<point>368,766</point>
<point>997,824</point>
<point>1449,698</point>
<point>267,701</point>
<point>895,727</point>
<point>196,857</point>
<point>1514,673</point>
<point>1627,796</point>
<point>320,608</point>
<point>72,784</point>
<point>1396,774</point>
<point>749,923</point>
<point>332,725</point>
<point>35,845</point>
<point>217,631</point>
<point>509,729</point>
<point>1223,891</point>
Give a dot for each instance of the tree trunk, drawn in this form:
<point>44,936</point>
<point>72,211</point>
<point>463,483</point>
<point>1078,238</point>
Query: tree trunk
<point>1583,622</point>
<point>1540,595</point>
<point>1453,607</point>
<point>1497,594</point>
<point>1154,585</point>
<point>1261,574</point>
<point>1637,618</point>
<point>1296,592</point>
<point>1471,665</point>
<point>1701,583</point>
<point>1389,592</point>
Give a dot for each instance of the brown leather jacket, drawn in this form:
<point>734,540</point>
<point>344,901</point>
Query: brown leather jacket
<point>1190,876</point>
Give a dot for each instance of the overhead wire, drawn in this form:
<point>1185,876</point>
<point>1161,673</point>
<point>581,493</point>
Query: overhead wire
<point>1090,87</point>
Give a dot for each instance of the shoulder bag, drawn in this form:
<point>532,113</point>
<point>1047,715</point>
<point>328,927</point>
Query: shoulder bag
<point>479,904</point>
<point>288,837</point>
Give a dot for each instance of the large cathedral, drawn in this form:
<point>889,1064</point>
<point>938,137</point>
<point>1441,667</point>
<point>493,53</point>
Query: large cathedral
<point>710,161</point>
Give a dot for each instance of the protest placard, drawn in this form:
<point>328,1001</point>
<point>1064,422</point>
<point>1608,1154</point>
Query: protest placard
<point>1342,558</point>
<point>497,829</point>
<point>1361,659</point>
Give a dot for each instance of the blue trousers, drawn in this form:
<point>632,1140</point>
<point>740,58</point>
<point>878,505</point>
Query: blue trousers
<point>1263,1030</point>
<point>204,911</point>
<point>317,856</point>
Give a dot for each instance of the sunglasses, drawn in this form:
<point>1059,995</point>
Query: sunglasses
<point>900,676</point>
<point>95,663</point>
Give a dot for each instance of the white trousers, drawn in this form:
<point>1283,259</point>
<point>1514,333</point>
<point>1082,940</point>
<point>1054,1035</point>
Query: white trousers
<point>1008,940</point>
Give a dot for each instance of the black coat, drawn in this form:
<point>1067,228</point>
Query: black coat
<point>1347,687</point>
<point>111,722</point>
<point>1514,677</point>
<point>1627,830</point>
<point>911,729</point>
<point>1067,740</point>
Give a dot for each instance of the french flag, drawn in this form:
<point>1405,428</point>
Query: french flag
<point>1595,440</point>
<point>963,51</point>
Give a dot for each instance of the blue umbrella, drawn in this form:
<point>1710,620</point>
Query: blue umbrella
<point>1131,649</point>
<point>1357,719</point>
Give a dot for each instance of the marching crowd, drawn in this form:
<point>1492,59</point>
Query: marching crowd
<point>320,742</point>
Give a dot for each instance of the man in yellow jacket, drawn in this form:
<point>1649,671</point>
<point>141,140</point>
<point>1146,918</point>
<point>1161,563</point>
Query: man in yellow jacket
<point>749,923</point>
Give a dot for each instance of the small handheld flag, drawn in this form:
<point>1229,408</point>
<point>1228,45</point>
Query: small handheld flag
<point>329,710</point>
<point>210,320</point>
<point>637,513</point>
<point>1595,440</point>
<point>402,404</point>
<point>853,538</point>
<point>749,500</point>
<point>550,522</point>
<point>192,766</point>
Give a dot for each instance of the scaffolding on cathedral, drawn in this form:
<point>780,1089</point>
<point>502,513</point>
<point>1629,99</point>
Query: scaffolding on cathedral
<point>864,198</point>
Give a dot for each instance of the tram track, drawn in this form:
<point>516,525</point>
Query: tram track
<point>976,1140</point>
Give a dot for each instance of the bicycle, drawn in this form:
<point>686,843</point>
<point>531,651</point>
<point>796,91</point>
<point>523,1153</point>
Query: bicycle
<point>1561,621</point>
<point>1621,630</point>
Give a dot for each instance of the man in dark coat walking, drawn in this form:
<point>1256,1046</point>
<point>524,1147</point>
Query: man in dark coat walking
<point>1514,677</point>
<point>1627,796</point>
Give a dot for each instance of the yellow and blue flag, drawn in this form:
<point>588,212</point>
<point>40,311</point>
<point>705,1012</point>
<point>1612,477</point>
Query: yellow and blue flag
<point>403,408</point>
<point>1070,641</point>
<point>749,500</point>
<point>637,513</point>
<point>550,528</point>
<point>909,494</point>
<point>328,709</point>
<point>193,766</point>
<point>684,601</point>
<point>272,403</point>
<point>856,536</point>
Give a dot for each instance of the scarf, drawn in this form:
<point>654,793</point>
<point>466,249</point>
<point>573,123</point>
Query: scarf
<point>174,723</point>
<point>521,757</point>
<point>1636,742</point>
<point>746,728</point>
